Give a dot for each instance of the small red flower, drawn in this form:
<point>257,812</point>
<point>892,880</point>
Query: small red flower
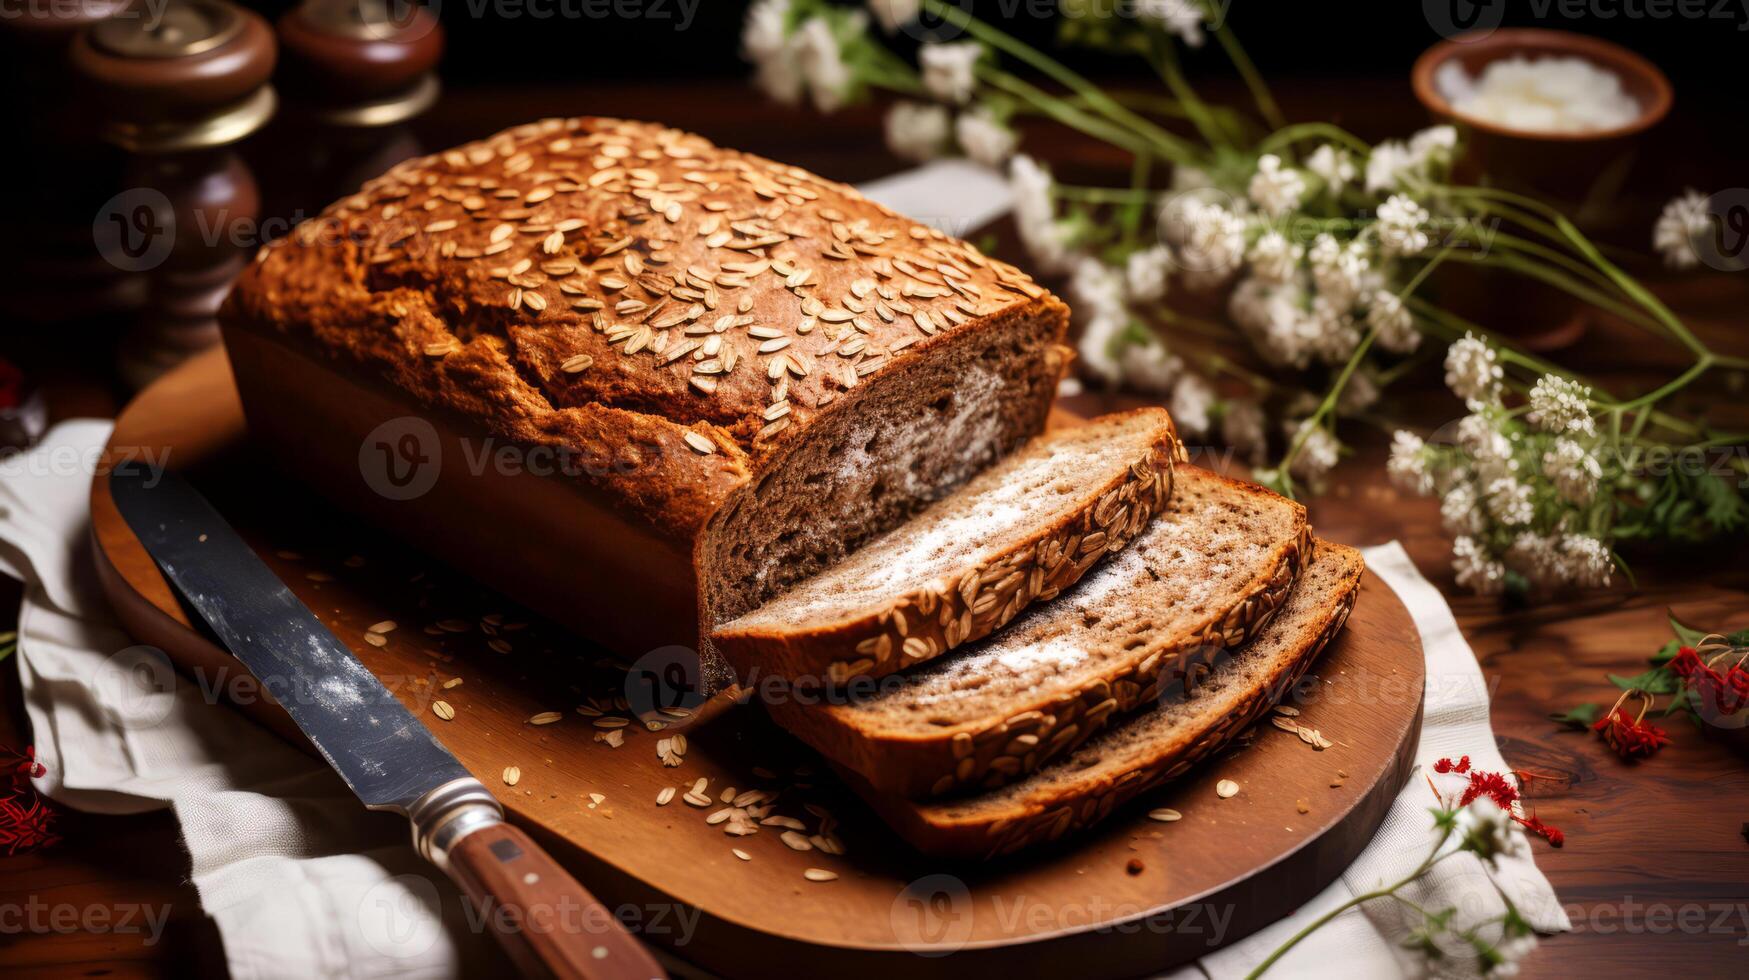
<point>1493,785</point>
<point>26,824</point>
<point>1686,663</point>
<point>1630,738</point>
<point>1446,765</point>
<point>20,768</point>
<point>1534,824</point>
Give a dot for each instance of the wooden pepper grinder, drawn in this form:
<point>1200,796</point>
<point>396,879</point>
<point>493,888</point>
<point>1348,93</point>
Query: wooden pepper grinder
<point>353,74</point>
<point>49,274</point>
<point>178,92</point>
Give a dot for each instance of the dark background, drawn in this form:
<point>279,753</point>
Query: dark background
<point>1707,56</point>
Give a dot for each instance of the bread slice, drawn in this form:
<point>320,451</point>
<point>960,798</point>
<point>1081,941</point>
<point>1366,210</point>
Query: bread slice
<point>1152,746</point>
<point>1203,577</point>
<point>1021,531</point>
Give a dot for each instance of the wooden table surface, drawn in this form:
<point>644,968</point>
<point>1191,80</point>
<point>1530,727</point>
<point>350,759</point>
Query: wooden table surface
<point>1655,872</point>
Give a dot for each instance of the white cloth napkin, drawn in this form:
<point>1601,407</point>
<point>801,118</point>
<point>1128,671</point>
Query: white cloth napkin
<point>302,882</point>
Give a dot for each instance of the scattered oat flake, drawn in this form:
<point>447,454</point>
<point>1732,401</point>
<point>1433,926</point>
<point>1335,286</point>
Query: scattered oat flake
<point>597,798</point>
<point>546,718</point>
<point>743,855</point>
<point>512,775</point>
<point>376,639</point>
<point>666,796</point>
<point>1287,710</point>
<point>1165,815</point>
<point>452,682</point>
<point>442,710</point>
<point>1302,806</point>
<point>613,739</point>
<point>819,874</point>
<point>386,626</point>
<point>1226,789</point>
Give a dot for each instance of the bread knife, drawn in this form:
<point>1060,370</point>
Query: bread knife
<point>547,922</point>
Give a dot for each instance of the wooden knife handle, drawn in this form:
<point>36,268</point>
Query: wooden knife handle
<point>548,923</point>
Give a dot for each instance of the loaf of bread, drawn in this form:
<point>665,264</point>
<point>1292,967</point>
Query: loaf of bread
<point>639,382</point>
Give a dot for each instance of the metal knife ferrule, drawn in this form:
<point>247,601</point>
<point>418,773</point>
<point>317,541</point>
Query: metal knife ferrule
<point>446,814</point>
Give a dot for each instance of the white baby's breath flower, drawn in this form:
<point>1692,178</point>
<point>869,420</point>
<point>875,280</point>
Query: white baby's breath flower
<point>918,130</point>
<point>1561,405</point>
<point>1208,241</point>
<point>948,70</point>
<point>1538,558</point>
<point>1318,454</point>
<point>1572,470</point>
<point>1588,562</point>
<point>1272,318</point>
<point>1273,258</point>
<point>984,137</point>
<point>1460,510</point>
<point>1192,398</point>
<point>1476,570</point>
<point>1395,326</point>
<point>1408,463</point>
<point>1489,448</point>
<point>1035,215</point>
<point>1339,271</point>
<point>1181,17</point>
<point>1359,394</point>
<point>1433,146</point>
<point>1509,501</point>
<point>765,42</point>
<point>830,79</point>
<point>1242,427</point>
<point>1681,223</point>
<point>1487,831</point>
<point>1146,273</point>
<point>1385,165</point>
<point>1148,367</point>
<point>1400,226</point>
<point>1472,370</point>
<point>1275,189</point>
<point>1334,333</point>
<point>894,14</point>
<point>764,33</point>
<point>1333,166</point>
<point>1099,297</point>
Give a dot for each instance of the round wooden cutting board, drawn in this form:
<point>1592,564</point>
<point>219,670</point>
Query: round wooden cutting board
<point>1132,897</point>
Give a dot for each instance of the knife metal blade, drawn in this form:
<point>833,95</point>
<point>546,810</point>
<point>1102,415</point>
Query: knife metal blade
<point>385,754</point>
<point>388,758</point>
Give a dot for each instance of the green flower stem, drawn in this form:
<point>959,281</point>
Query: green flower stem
<point>1331,397</point>
<point>1067,114</point>
<point>1172,147</point>
<point>1136,210</point>
<point>1299,132</point>
<point>1589,251</point>
<point>1260,94</point>
<point>1102,195</point>
<point>1565,283</point>
<point>1433,858</point>
<point>1165,61</point>
<point>1547,254</point>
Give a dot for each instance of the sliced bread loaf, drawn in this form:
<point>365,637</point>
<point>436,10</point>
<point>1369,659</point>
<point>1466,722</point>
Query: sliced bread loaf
<point>1207,573</point>
<point>1150,747</point>
<point>1021,531</point>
